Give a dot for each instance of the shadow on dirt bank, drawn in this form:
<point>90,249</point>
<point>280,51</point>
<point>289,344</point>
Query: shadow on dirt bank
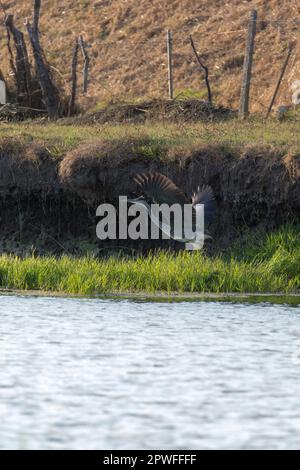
<point>49,204</point>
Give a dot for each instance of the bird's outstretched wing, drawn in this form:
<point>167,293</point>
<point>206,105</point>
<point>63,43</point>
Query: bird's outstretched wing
<point>205,196</point>
<point>160,189</point>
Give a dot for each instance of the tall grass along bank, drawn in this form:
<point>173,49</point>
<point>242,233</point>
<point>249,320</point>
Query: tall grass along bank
<point>270,265</point>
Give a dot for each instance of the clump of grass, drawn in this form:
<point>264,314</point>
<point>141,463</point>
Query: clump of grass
<point>273,265</point>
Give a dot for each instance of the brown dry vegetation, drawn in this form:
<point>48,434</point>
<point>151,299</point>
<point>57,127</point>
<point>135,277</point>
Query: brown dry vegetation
<point>128,52</point>
<point>155,110</point>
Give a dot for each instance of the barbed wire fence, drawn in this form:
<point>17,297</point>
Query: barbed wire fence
<point>168,61</point>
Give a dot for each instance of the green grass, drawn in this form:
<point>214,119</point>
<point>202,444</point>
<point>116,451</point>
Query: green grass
<point>268,265</point>
<point>60,137</point>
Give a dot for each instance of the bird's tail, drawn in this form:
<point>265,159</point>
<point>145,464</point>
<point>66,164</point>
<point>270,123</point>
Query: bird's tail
<point>197,244</point>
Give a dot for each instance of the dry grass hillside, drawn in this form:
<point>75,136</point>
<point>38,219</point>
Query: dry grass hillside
<point>128,51</point>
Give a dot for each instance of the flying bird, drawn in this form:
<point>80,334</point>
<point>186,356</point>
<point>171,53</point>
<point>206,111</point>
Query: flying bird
<point>159,189</point>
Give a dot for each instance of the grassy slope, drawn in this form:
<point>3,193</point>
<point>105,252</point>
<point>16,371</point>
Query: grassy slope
<point>127,39</point>
<point>270,264</point>
<point>61,138</point>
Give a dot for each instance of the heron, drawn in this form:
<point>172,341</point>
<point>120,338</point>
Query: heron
<point>157,188</point>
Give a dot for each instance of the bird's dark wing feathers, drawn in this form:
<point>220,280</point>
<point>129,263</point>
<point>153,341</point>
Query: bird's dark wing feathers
<point>205,196</point>
<point>160,189</point>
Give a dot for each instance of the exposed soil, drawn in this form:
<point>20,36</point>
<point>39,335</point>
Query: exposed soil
<point>49,204</point>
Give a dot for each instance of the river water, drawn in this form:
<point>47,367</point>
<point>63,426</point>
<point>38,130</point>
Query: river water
<point>107,374</point>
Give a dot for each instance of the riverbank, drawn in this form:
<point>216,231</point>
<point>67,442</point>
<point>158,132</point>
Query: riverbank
<point>269,265</point>
<point>53,177</point>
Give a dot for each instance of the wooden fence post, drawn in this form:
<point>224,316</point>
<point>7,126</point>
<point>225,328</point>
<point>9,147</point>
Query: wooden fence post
<point>170,64</point>
<point>245,91</point>
<point>86,64</point>
<point>74,79</point>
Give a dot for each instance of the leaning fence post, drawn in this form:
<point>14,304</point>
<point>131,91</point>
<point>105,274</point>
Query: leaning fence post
<point>245,91</point>
<point>170,64</point>
<point>204,69</point>
<point>284,67</point>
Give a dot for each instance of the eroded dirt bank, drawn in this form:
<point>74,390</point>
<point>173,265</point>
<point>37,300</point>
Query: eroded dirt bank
<point>48,204</point>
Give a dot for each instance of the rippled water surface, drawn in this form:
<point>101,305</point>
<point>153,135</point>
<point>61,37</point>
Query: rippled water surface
<point>105,374</point>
